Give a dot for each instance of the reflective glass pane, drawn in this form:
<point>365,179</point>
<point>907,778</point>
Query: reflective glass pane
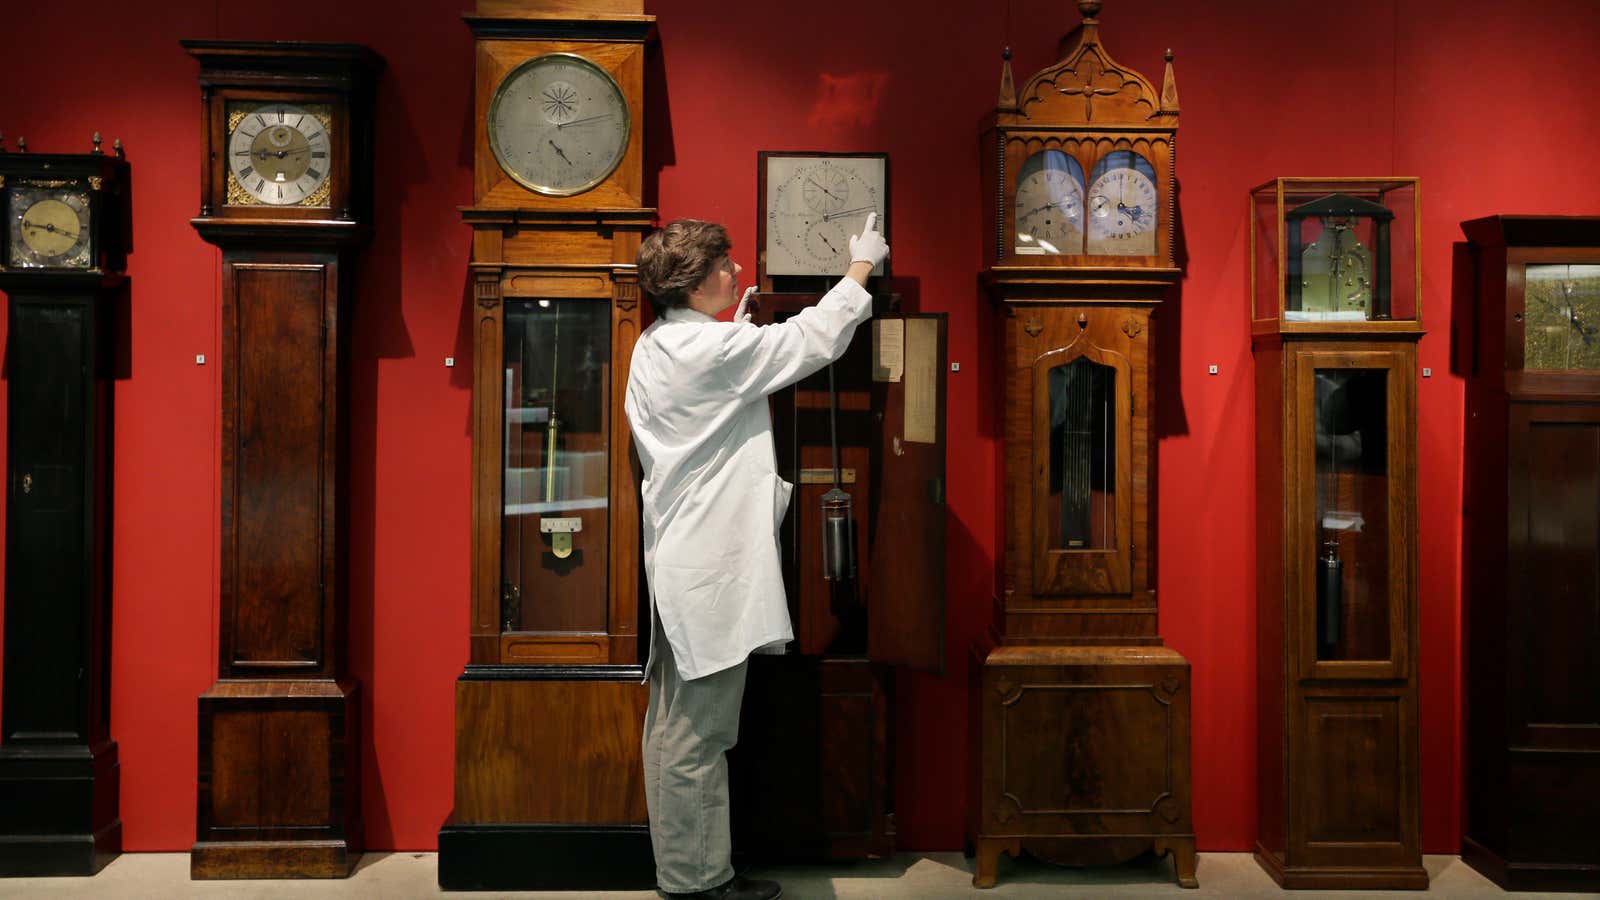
<point>1083,456</point>
<point>1352,514</point>
<point>1561,317</point>
<point>556,491</point>
<point>1049,205</point>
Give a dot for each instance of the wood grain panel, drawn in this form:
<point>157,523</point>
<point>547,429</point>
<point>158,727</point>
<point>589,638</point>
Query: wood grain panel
<point>276,456</point>
<point>1353,792</point>
<point>550,751</point>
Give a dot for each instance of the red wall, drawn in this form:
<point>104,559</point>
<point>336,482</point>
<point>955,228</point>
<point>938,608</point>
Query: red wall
<point>1468,94</point>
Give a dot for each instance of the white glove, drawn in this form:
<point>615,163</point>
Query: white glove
<point>869,246</point>
<point>747,301</point>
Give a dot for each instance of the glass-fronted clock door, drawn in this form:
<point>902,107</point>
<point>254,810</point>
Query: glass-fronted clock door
<point>556,491</point>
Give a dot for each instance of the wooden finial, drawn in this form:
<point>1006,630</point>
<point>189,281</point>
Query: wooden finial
<point>116,147</point>
<point>1089,9</point>
<point>1169,88</point>
<point>97,151</point>
<point>1008,87</point>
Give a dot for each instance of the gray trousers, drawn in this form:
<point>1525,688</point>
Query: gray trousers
<point>688,728</point>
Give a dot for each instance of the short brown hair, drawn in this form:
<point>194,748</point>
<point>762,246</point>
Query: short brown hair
<point>676,259</point>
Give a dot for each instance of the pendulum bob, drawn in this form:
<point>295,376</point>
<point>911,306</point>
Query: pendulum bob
<point>1330,600</point>
<point>838,537</point>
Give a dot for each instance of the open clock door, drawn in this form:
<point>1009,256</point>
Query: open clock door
<point>905,588</point>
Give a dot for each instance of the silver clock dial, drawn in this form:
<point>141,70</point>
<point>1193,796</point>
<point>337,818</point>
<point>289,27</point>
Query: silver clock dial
<point>1122,209</point>
<point>1049,206</point>
<point>814,205</point>
<point>279,154</point>
<point>558,124</point>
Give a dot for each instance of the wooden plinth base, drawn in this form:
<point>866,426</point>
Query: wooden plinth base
<point>1530,876</point>
<point>1341,878</point>
<point>279,790</point>
<point>1083,756</point>
<point>58,809</point>
<point>511,857</point>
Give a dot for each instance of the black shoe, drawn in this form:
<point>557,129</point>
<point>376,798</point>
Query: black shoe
<point>738,888</point>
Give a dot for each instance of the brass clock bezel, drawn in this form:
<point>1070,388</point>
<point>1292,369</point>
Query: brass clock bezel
<point>494,136</point>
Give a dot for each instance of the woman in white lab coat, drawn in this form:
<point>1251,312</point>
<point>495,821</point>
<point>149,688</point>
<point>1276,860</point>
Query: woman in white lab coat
<point>696,403</point>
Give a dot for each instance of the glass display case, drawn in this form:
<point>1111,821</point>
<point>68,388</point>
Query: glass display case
<point>1335,322</point>
<point>1334,252</point>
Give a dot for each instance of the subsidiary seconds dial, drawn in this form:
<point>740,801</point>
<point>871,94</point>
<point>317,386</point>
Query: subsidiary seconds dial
<point>558,124</point>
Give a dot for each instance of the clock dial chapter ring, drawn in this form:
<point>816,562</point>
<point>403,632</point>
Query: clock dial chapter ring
<point>558,124</point>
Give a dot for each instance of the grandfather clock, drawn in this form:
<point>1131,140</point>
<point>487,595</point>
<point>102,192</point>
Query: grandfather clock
<point>63,250</point>
<point>1531,673</point>
<point>1081,714</point>
<point>549,784</point>
<point>286,193</point>
<point>1335,321</point>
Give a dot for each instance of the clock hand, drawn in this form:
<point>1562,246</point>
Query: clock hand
<point>822,189</point>
<point>846,212</point>
<point>583,121</point>
<point>824,239</point>
<point>561,153</point>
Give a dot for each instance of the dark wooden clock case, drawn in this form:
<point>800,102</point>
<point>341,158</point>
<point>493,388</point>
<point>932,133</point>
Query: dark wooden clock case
<point>58,764</point>
<point>279,776</point>
<point>1531,622</point>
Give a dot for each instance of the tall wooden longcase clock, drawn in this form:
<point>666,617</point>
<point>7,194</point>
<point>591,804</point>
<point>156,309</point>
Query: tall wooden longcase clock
<point>1531,566</point>
<point>286,192</point>
<point>1081,714</point>
<point>1335,322</point>
<point>63,249</point>
<point>549,790</point>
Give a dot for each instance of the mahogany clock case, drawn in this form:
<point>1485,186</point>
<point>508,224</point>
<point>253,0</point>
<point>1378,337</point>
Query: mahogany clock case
<point>1531,553</point>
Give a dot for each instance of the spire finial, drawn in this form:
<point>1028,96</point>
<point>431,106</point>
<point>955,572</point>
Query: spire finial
<point>97,151</point>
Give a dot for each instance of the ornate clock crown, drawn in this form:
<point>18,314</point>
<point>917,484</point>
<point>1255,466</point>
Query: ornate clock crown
<point>1086,86</point>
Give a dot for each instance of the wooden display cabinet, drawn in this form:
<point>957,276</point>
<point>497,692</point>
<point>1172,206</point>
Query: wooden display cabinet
<point>1530,677</point>
<point>1080,718</point>
<point>1335,322</point>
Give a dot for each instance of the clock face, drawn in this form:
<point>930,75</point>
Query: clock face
<point>558,124</point>
<point>1336,271</point>
<point>279,154</point>
<point>1049,205</point>
<point>1561,317</point>
<point>1122,209</point>
<point>814,205</point>
<point>49,227</point>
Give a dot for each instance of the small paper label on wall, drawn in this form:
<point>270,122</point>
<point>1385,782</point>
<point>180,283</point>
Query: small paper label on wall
<point>922,380</point>
<point>888,349</point>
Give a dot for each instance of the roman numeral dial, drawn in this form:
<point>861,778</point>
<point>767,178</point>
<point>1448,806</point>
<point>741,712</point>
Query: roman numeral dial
<point>278,155</point>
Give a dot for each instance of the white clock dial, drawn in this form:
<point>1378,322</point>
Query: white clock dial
<point>558,124</point>
<point>279,154</point>
<point>1049,206</point>
<point>814,204</point>
<point>1122,212</point>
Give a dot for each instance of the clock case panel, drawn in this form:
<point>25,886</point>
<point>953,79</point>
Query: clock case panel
<point>341,76</point>
<point>104,178</point>
<point>770,283</point>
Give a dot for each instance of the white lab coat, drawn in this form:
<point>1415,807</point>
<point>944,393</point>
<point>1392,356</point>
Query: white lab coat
<point>713,501</point>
